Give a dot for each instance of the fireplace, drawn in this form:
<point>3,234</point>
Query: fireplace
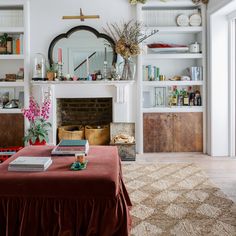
<point>84,111</point>
<point>110,101</point>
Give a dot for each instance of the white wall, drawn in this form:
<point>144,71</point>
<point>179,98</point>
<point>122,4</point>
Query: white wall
<point>46,17</point>
<point>46,23</point>
<point>215,5</point>
<point>218,76</point>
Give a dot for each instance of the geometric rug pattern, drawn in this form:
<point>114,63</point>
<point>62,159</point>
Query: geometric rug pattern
<point>177,199</point>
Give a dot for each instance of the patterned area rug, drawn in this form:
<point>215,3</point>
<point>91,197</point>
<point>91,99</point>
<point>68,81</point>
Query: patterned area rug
<point>177,199</point>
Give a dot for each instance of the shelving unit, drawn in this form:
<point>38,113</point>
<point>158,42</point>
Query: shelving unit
<point>14,20</point>
<point>173,56</point>
<point>12,57</point>
<point>162,16</point>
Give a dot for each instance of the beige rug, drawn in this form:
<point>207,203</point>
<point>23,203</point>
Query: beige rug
<point>177,199</point>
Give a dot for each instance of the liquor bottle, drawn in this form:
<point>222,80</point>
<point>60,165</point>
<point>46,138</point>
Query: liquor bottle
<point>191,96</point>
<point>175,94</point>
<point>198,100</point>
<point>180,100</point>
<point>186,98</point>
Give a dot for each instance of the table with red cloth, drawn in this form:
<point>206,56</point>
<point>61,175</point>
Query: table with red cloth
<point>63,202</point>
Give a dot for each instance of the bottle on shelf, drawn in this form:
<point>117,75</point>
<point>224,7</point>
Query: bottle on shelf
<point>198,100</point>
<point>186,98</point>
<point>180,100</point>
<point>191,96</point>
<point>175,94</point>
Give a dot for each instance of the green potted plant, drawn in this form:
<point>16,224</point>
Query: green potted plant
<point>3,43</point>
<point>37,133</point>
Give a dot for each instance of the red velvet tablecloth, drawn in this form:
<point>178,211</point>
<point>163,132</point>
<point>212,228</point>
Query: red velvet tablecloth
<point>59,201</point>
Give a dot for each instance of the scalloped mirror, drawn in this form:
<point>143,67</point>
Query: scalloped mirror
<point>84,50</point>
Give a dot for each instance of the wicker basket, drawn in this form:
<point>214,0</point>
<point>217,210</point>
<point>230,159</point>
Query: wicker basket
<point>71,132</point>
<point>97,135</point>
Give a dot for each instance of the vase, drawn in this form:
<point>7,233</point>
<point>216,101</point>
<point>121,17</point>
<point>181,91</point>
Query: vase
<point>37,142</point>
<point>126,69</point>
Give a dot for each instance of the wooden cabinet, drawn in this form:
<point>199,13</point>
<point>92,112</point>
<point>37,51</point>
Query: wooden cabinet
<point>173,132</point>
<point>12,130</point>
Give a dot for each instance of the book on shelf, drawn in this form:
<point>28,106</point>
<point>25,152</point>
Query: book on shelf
<point>17,44</point>
<point>150,72</point>
<point>28,163</point>
<point>71,147</point>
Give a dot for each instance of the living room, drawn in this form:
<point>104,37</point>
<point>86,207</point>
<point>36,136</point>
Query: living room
<point>170,96</point>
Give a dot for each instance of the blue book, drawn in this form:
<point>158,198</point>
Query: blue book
<point>71,147</point>
<point>70,143</point>
<point>149,72</point>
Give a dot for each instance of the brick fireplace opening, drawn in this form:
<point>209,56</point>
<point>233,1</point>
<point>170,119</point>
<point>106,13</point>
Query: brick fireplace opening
<point>84,111</point>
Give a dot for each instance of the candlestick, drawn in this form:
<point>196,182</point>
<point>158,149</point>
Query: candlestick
<point>59,72</point>
<point>105,53</point>
<point>59,55</point>
<point>87,65</point>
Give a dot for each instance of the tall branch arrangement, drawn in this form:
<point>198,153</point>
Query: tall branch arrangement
<point>127,37</point>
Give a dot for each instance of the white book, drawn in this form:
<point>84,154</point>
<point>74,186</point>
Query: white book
<point>30,163</point>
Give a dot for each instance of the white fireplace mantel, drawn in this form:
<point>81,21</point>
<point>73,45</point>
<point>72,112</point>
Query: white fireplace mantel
<point>120,91</point>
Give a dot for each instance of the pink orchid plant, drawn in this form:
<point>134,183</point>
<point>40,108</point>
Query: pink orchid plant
<point>37,116</point>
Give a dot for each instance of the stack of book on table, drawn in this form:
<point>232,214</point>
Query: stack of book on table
<point>71,147</point>
<point>24,163</point>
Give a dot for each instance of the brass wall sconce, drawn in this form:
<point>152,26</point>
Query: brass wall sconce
<point>82,17</point>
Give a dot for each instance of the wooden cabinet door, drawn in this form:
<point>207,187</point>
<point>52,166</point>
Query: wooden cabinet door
<point>11,130</point>
<point>157,132</point>
<point>188,132</point>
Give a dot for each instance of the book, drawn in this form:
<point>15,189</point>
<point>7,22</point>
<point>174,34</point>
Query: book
<point>27,163</point>
<point>77,142</point>
<point>71,147</point>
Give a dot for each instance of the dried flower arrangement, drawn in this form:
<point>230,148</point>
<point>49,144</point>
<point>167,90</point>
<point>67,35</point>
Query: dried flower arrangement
<point>127,37</point>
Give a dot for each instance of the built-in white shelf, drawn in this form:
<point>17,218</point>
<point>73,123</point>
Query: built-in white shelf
<point>11,57</point>
<point>11,29</point>
<point>10,111</point>
<point>173,109</point>
<point>97,82</point>
<point>172,56</point>
<point>12,84</point>
<point>174,29</point>
<point>168,4</point>
<point>172,83</point>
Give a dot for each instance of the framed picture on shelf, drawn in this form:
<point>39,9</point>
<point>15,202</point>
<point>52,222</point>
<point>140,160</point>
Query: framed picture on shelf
<point>160,96</point>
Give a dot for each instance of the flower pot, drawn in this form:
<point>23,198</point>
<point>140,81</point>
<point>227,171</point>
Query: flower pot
<point>37,142</point>
<point>50,75</point>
